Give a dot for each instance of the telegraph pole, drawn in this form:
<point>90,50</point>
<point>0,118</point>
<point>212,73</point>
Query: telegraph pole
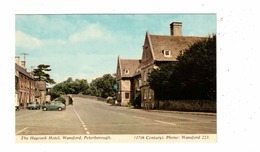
<point>24,56</point>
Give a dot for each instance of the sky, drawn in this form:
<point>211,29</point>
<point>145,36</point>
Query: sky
<point>86,46</point>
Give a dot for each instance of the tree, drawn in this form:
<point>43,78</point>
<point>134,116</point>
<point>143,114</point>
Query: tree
<point>41,75</point>
<point>102,86</point>
<point>159,80</point>
<point>70,87</point>
<point>193,76</point>
<point>195,70</point>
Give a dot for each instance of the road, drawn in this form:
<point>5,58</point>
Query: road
<point>93,117</point>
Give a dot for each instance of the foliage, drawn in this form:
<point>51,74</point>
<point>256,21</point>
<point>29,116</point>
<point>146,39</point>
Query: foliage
<point>137,100</point>
<point>159,80</point>
<point>70,101</point>
<point>70,87</point>
<point>193,76</point>
<point>41,75</point>
<point>102,86</point>
<point>62,100</point>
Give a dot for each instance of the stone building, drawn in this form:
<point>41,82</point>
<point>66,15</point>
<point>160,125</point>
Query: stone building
<point>157,50</point>
<point>24,85</point>
<point>127,80</point>
<point>40,92</point>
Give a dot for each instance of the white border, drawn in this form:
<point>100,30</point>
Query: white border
<point>237,75</point>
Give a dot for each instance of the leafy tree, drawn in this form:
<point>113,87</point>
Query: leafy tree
<point>70,87</point>
<point>159,80</point>
<point>193,76</point>
<point>41,75</point>
<point>102,86</point>
<point>195,70</point>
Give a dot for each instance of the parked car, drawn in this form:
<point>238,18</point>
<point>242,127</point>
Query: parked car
<point>52,106</point>
<point>63,106</point>
<point>33,105</point>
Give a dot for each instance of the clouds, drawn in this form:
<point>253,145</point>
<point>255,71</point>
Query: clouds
<point>91,32</point>
<point>26,41</point>
<point>88,45</point>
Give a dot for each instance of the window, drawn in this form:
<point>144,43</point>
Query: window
<point>144,76</point>
<point>140,82</point>
<point>150,93</point>
<point>167,53</point>
<point>144,94</point>
<point>127,95</point>
<point>126,71</point>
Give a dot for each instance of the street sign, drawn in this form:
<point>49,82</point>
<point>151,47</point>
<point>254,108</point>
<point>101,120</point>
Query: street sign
<point>115,87</point>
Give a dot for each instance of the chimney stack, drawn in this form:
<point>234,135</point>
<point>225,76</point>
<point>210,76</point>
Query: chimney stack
<point>17,60</point>
<point>23,64</point>
<point>176,28</point>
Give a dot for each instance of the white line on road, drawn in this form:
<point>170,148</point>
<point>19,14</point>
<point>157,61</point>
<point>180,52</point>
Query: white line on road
<point>139,117</point>
<point>83,124</point>
<point>22,130</point>
<point>120,113</point>
<point>168,123</point>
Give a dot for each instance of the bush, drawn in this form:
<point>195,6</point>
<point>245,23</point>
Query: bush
<point>137,101</point>
<point>110,100</point>
<point>70,101</point>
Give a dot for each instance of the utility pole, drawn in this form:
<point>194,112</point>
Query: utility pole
<point>24,56</point>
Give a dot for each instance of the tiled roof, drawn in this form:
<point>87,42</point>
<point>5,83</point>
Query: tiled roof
<point>23,71</point>
<point>129,64</point>
<point>175,44</point>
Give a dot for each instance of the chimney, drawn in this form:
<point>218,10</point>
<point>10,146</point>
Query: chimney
<point>17,60</point>
<point>23,64</point>
<point>176,28</point>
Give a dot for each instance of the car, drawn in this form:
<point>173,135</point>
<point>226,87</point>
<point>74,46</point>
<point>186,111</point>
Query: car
<point>63,106</point>
<point>52,106</point>
<point>33,105</point>
<point>59,103</point>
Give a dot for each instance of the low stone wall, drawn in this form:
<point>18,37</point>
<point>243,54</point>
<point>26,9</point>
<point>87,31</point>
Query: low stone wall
<point>88,97</point>
<point>187,105</point>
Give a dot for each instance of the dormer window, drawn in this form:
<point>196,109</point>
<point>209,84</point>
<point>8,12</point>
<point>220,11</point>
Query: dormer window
<point>166,53</point>
<point>126,71</point>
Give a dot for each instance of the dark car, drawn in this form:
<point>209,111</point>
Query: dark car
<point>33,105</point>
<point>52,106</point>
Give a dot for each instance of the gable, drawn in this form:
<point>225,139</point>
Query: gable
<point>147,56</point>
<point>127,68</point>
<point>118,71</point>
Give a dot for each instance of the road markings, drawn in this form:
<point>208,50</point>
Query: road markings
<point>22,130</point>
<point>168,123</point>
<point>120,113</point>
<point>82,123</point>
<point>139,117</point>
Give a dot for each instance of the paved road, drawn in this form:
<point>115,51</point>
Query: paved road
<point>95,117</point>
